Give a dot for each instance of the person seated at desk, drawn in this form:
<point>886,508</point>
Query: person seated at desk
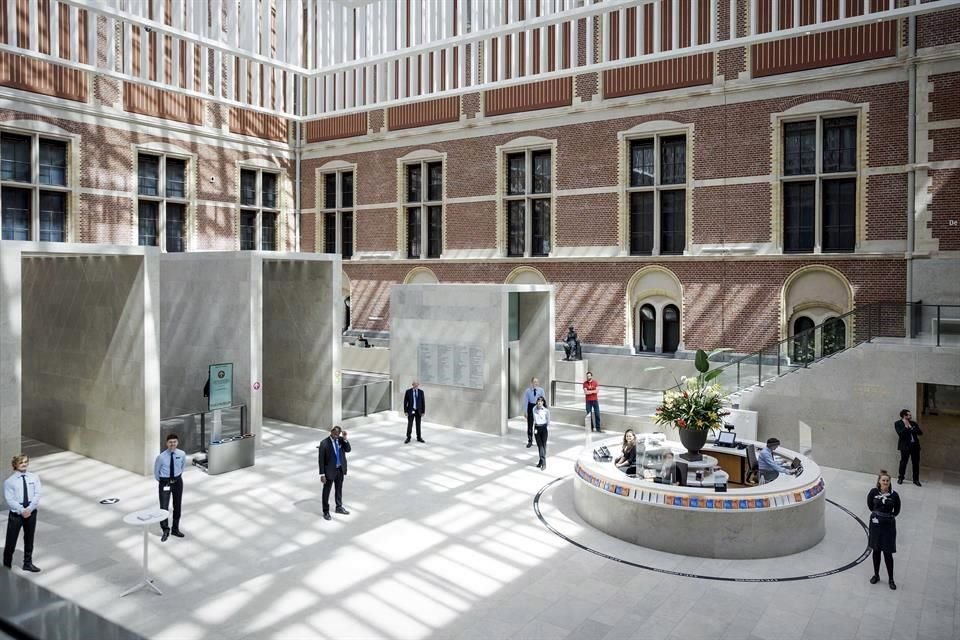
<point>627,462</point>
<point>667,469</point>
<point>768,467</point>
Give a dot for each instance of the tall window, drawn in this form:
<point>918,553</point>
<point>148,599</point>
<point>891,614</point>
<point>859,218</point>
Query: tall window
<point>338,213</point>
<point>657,195</point>
<point>804,341</point>
<point>259,209</point>
<point>162,199</point>
<point>423,208</point>
<point>820,185</point>
<point>529,182</point>
<point>33,188</point>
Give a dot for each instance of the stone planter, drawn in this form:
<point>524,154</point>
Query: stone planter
<point>693,440</point>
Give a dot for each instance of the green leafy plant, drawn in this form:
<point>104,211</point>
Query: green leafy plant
<point>696,403</point>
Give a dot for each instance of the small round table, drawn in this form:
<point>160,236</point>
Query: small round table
<point>144,519</point>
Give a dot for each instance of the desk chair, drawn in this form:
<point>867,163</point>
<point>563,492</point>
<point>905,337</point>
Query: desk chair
<point>753,467</point>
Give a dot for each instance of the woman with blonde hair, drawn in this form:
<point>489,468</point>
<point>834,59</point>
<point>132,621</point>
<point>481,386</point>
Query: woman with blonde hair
<point>884,505</point>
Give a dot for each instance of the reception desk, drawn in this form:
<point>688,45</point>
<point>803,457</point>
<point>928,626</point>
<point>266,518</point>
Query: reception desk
<point>778,518</point>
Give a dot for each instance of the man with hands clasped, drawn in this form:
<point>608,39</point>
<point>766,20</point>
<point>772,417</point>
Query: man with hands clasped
<point>333,468</point>
<point>21,492</point>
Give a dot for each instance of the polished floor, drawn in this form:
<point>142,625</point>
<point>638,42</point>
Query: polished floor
<point>445,541</point>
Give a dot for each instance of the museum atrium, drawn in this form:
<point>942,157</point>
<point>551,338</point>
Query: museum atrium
<point>719,238</point>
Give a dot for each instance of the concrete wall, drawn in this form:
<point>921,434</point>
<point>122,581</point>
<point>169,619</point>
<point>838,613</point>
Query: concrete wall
<point>301,341</point>
<point>846,405</point>
<point>461,315</point>
<point>10,357</point>
<point>90,375</point>
<point>373,359</point>
<point>535,354</point>
<point>935,281</point>
<point>209,314</point>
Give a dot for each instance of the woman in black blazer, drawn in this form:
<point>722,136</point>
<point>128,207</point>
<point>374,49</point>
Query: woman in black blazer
<point>884,505</point>
<point>627,462</point>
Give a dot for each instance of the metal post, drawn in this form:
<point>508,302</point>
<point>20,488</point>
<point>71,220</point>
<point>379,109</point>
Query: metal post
<point>625,393</point>
<point>364,400</point>
<point>738,375</point>
<point>938,325</point>
<point>203,433</point>
<point>760,368</point>
<point>869,323</point>
<point>244,427</point>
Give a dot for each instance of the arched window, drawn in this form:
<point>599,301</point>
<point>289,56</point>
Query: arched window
<point>647,321</point>
<point>803,339</point>
<point>671,328</point>
<point>834,336</point>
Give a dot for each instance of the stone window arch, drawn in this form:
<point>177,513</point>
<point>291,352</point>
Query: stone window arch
<point>654,318</point>
<point>421,275</point>
<point>814,295</point>
<point>525,275</point>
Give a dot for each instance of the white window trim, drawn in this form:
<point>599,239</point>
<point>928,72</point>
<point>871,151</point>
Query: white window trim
<point>423,157</point>
<point>526,145</point>
<point>164,151</point>
<point>260,167</point>
<point>320,217</point>
<point>819,110</point>
<point>37,130</point>
<point>655,129</point>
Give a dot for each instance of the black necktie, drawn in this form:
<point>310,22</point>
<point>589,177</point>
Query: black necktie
<point>171,466</point>
<point>26,497</point>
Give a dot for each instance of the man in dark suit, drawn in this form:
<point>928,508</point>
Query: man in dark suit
<point>909,433</point>
<point>414,406</point>
<point>333,467</point>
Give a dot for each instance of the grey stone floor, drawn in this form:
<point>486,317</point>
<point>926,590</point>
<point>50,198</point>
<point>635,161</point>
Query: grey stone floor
<point>443,542</point>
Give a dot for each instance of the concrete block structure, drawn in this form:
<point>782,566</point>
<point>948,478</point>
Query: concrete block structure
<point>472,347</point>
<point>79,348</point>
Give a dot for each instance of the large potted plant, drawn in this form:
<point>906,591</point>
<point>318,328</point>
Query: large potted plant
<point>694,406</point>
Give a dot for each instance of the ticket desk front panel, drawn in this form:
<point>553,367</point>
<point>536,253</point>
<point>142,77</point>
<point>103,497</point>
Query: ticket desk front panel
<point>774,519</point>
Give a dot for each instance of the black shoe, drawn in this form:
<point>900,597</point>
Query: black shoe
<point>421,440</point>
<point>538,465</point>
<point>893,585</point>
<point>32,568</point>
<point>529,444</point>
<point>407,441</point>
<point>899,480</point>
<point>543,467</point>
<point>917,482</point>
<point>177,533</point>
<point>342,511</point>
<point>326,515</point>
<point>874,579</point>
<point>166,534</point>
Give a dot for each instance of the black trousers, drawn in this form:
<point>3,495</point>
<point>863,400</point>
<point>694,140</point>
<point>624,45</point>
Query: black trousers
<point>176,490</point>
<point>913,453</point>
<point>411,418</point>
<point>14,523</point>
<point>337,483</point>
<point>530,422</point>
<point>541,435</point>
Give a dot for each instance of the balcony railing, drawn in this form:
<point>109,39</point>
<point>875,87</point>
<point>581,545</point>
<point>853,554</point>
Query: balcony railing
<point>306,59</point>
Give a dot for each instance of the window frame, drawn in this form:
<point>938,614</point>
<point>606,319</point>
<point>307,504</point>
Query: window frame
<point>819,177</point>
<point>162,199</point>
<point>35,187</point>
<point>657,189</point>
<point>338,210</point>
<point>257,208</point>
<point>527,198</point>
<point>424,205</point>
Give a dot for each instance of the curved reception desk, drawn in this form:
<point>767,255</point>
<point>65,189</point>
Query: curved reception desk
<point>777,518</point>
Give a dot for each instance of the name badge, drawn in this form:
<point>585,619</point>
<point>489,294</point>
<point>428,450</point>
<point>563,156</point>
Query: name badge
<point>875,520</point>
<point>166,488</point>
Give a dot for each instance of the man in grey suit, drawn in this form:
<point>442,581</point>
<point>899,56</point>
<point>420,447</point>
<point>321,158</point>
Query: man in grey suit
<point>333,467</point>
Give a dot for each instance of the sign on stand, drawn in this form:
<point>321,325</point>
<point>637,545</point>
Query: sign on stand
<point>221,386</point>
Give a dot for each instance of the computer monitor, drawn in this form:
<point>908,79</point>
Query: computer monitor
<point>680,471</point>
<point>726,439</point>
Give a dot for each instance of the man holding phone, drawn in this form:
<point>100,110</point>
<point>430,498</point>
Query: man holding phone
<point>333,467</point>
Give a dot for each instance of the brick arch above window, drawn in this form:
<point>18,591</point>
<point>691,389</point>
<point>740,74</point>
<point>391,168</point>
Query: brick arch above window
<point>815,290</point>
<point>657,286</point>
<point>421,275</point>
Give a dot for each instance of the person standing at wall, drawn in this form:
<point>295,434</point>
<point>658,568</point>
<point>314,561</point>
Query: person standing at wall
<point>884,505</point>
<point>909,434</point>
<point>168,472</point>
<point>414,405</point>
<point>21,492</point>
<point>530,396</point>
<point>590,392</point>
<point>333,469</point>
<point>541,422</point>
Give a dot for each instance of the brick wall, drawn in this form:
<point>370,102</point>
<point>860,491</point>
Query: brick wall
<point>376,229</point>
<point>731,303</point>
<point>945,97</point>
<point>938,29</point>
<point>471,225</point>
<point>886,207</point>
<point>731,214</point>
<point>946,144</point>
<point>587,221</point>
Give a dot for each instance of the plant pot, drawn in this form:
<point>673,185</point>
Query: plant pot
<point>693,440</point>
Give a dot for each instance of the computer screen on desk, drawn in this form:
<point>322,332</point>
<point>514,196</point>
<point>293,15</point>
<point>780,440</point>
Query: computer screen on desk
<point>726,439</point>
<point>680,471</point>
